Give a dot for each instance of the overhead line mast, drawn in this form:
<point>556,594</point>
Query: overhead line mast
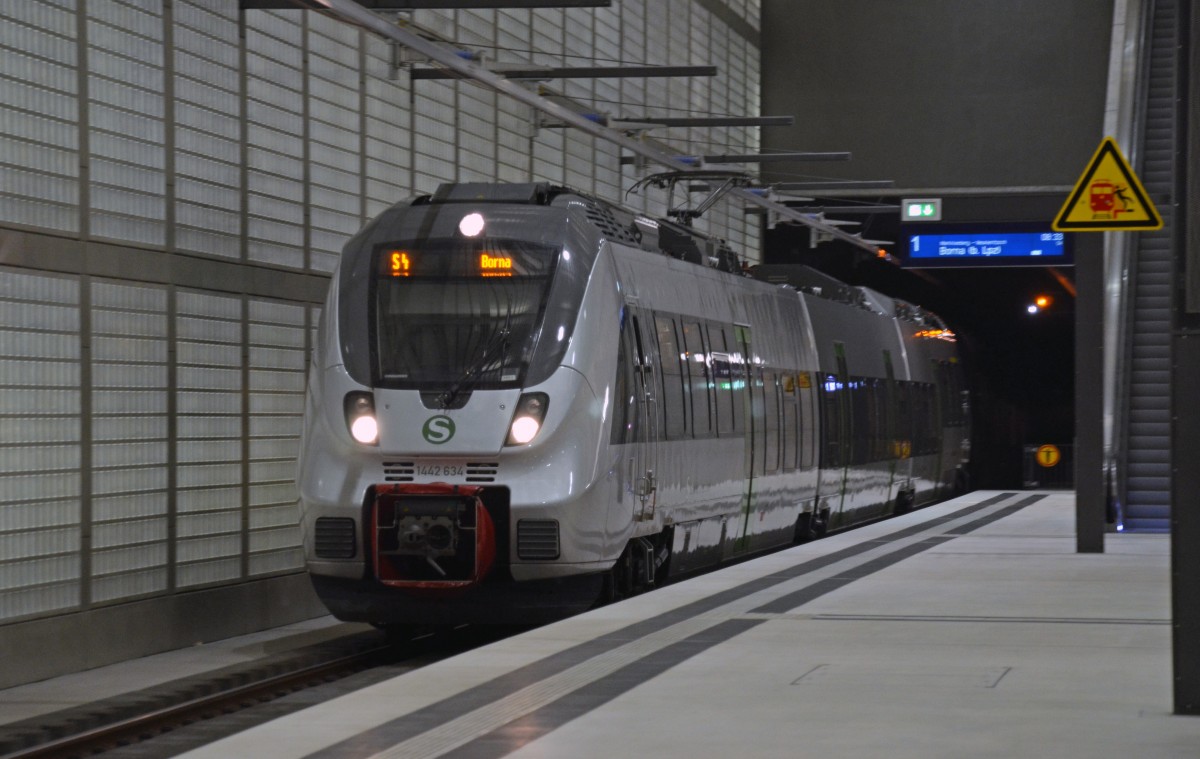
<point>351,12</point>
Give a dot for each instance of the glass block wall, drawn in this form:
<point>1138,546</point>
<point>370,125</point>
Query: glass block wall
<point>178,178</point>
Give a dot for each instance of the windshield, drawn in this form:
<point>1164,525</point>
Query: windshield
<point>457,314</point>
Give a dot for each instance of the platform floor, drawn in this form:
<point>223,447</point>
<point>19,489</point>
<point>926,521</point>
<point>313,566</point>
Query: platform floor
<point>966,629</point>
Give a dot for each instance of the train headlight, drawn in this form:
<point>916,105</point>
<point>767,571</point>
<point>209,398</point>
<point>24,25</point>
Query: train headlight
<point>527,420</point>
<point>471,224</point>
<point>360,418</point>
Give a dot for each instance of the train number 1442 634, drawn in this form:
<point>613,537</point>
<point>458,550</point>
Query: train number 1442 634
<point>440,469</point>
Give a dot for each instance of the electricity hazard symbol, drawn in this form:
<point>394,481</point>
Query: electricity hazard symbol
<point>1108,197</point>
<point>1048,456</point>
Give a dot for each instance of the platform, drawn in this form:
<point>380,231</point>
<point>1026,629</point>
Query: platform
<point>970,628</point>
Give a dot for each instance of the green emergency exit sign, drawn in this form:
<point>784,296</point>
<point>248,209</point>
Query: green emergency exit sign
<point>921,209</point>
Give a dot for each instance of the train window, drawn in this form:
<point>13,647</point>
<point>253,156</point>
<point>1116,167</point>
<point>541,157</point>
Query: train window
<point>646,379</point>
<point>950,387</point>
<point>437,325</point>
<point>790,433</point>
<point>757,423</point>
<point>625,405</point>
<point>915,413</point>
<point>903,429</point>
<point>673,377</point>
<point>926,423</point>
<point>770,422</point>
<point>722,378</point>
<point>887,413</point>
<point>921,413</point>
<point>852,425</point>
<point>942,384</point>
<point>962,396</point>
<point>696,360</point>
<point>867,419</point>
<point>737,342</point>
<point>730,392</point>
<point>919,417</point>
<point>887,409</point>
<point>832,427</point>
<point>806,448</point>
<point>877,419</point>
<point>934,431</point>
<point>863,421</point>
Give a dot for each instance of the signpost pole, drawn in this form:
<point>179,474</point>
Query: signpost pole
<point>1090,506</point>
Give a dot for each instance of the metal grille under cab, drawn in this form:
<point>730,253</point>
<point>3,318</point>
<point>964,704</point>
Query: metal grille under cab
<point>482,472</point>
<point>334,538</point>
<point>406,471</point>
<point>398,471</point>
<point>537,539</point>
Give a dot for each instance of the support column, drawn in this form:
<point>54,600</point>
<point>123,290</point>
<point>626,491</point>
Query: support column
<point>1185,378</point>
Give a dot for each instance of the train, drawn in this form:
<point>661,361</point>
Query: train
<point>524,401</point>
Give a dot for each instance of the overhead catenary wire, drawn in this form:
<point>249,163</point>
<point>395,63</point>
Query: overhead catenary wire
<point>352,12</point>
<point>524,59</point>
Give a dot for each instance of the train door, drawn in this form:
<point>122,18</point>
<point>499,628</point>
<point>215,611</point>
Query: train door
<point>754,406</point>
<point>845,422</point>
<point>642,452</point>
<point>892,453</point>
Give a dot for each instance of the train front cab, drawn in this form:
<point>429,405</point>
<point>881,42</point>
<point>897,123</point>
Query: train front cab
<point>432,517</point>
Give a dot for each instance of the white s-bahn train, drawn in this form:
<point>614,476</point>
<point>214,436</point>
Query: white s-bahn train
<point>523,400</point>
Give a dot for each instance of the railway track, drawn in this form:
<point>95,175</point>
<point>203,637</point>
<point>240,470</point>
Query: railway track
<point>207,707</point>
<point>134,726</point>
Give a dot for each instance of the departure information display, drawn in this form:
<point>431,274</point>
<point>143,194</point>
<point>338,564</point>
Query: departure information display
<point>928,247</point>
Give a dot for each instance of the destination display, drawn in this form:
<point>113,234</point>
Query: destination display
<point>442,258</point>
<point>985,247</point>
<point>399,263</point>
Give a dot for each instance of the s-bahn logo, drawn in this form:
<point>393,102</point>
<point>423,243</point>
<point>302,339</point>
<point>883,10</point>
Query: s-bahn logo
<point>438,429</point>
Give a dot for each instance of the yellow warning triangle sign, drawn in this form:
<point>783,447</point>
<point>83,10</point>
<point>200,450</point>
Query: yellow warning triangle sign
<point>1108,197</point>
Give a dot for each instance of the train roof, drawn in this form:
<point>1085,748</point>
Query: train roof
<point>809,280</point>
<point>663,236</point>
<point>617,223</point>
